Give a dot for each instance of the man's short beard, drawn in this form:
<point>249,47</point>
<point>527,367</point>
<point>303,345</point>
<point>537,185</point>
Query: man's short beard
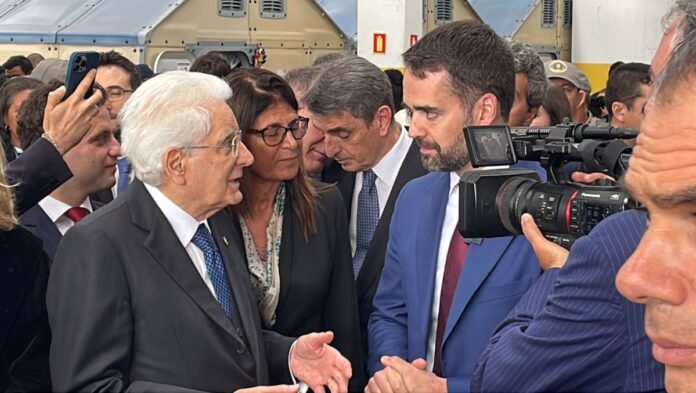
<point>452,159</point>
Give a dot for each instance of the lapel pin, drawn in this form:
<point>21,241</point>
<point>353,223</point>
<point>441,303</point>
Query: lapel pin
<point>224,239</point>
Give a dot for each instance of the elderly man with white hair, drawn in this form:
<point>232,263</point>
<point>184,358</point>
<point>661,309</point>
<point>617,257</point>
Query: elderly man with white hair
<point>148,294</point>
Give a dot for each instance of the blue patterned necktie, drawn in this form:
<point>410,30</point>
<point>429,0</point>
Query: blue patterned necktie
<point>367,218</point>
<point>123,175</point>
<point>216,268</point>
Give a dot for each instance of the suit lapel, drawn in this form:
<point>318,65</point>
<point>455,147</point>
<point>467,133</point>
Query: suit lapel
<point>164,246</point>
<point>429,227</point>
<point>36,220</point>
<point>346,186</point>
<point>480,261</point>
<point>236,266</point>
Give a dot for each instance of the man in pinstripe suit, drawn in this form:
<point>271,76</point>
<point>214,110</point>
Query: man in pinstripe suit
<point>573,331</point>
<point>661,272</point>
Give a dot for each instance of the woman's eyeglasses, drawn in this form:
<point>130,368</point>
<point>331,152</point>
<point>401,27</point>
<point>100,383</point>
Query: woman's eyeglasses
<point>275,135</point>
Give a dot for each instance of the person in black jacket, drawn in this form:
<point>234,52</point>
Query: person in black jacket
<point>293,230</point>
<point>24,333</point>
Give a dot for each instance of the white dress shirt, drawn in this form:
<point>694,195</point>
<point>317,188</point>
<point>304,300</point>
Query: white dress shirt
<point>184,227</point>
<point>448,228</point>
<point>386,170</point>
<point>55,210</point>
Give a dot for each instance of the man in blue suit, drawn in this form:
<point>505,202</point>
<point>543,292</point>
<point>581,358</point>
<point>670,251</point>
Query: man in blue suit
<point>93,163</point>
<point>440,296</point>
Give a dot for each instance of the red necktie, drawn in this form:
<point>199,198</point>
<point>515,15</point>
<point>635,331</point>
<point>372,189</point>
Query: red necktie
<point>453,267</point>
<point>76,214</point>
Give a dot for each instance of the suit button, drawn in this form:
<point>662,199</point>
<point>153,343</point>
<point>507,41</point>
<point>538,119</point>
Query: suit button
<point>240,350</point>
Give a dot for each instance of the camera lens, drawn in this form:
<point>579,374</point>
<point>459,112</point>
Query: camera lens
<point>510,202</point>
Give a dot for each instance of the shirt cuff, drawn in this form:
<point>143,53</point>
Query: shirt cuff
<point>292,348</point>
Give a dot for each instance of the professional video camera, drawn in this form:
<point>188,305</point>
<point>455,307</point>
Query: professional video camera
<point>492,201</point>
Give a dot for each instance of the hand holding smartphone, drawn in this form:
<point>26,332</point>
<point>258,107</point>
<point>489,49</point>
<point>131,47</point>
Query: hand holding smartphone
<point>70,108</point>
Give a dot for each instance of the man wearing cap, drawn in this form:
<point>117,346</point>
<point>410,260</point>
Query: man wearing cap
<point>576,87</point>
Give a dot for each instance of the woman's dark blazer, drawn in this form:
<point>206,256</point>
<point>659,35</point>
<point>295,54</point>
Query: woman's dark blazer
<point>317,288</point>
<point>25,336</point>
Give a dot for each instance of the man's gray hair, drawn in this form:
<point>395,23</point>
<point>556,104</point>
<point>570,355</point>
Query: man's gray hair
<point>683,11</point>
<point>170,110</point>
<point>680,71</point>
<point>301,79</point>
<point>528,62</point>
<point>350,84</point>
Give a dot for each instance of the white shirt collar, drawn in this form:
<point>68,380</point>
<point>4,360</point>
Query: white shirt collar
<point>388,167</point>
<point>454,182</point>
<point>55,209</point>
<point>183,224</point>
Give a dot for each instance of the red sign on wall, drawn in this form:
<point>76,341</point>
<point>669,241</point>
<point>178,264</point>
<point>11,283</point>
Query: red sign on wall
<point>412,40</point>
<point>379,43</point>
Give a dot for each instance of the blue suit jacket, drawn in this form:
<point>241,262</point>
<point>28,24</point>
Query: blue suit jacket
<point>573,331</point>
<point>40,225</point>
<point>495,274</point>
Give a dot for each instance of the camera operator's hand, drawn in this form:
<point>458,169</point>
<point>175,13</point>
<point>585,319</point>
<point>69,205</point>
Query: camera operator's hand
<point>589,178</point>
<point>66,122</point>
<point>549,254</point>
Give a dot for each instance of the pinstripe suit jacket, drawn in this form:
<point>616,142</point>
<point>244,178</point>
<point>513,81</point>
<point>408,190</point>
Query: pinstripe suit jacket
<point>573,331</point>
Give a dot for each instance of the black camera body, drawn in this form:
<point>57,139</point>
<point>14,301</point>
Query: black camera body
<point>492,201</point>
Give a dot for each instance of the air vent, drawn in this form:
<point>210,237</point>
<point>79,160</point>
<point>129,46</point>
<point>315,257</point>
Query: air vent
<point>274,9</point>
<point>443,12</point>
<point>232,8</point>
<point>568,14</point>
<point>548,13</point>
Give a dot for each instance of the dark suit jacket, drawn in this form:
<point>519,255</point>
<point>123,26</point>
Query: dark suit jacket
<point>368,277</point>
<point>36,173</point>
<point>573,331</point>
<point>129,311</point>
<point>332,172</point>
<point>24,333</point>
<point>38,223</point>
<point>317,292</point>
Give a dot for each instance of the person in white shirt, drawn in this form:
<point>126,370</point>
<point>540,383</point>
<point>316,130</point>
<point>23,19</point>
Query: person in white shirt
<point>441,295</point>
<point>93,163</point>
<point>353,107</point>
<point>150,293</point>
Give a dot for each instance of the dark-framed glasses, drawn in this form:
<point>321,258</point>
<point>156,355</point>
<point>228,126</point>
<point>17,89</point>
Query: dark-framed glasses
<point>275,135</point>
<point>116,93</point>
<point>229,144</point>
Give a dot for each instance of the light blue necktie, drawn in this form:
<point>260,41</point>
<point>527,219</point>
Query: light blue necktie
<point>367,218</point>
<point>123,175</point>
<point>216,268</point>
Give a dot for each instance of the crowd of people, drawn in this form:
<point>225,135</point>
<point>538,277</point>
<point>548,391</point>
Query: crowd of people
<point>226,229</point>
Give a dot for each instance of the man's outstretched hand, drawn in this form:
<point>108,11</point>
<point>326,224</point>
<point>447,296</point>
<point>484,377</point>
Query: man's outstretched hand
<point>316,363</point>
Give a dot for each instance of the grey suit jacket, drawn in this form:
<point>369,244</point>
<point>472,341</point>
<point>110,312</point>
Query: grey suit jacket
<point>129,311</point>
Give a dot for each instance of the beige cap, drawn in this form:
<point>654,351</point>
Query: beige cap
<point>567,71</point>
<point>50,69</point>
